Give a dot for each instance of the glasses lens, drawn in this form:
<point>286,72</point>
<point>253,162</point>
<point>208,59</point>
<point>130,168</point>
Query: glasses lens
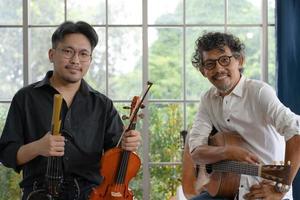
<point>224,60</point>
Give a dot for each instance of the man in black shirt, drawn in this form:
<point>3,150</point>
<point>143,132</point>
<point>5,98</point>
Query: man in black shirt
<point>90,122</point>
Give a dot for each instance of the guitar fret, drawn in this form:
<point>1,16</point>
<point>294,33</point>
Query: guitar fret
<point>236,167</point>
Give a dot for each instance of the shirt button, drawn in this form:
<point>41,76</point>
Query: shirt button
<point>66,158</point>
<point>228,120</point>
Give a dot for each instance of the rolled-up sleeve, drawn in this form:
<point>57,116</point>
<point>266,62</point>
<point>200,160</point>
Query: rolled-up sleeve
<point>201,128</point>
<point>282,118</point>
<point>12,137</point>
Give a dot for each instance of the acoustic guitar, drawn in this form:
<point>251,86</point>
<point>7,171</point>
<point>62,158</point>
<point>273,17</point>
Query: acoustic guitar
<point>223,178</point>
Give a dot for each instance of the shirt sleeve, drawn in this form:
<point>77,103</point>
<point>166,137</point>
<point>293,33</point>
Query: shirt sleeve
<point>114,127</point>
<point>281,117</point>
<point>12,137</point>
<point>201,128</point>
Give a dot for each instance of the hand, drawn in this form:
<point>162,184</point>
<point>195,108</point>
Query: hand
<point>241,154</point>
<point>51,145</point>
<point>264,190</point>
<point>131,140</point>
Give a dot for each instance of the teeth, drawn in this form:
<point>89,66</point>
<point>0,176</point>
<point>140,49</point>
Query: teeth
<point>220,77</point>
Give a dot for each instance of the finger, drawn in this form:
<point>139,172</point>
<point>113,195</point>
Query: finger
<point>57,154</point>
<point>255,187</point>
<point>131,133</point>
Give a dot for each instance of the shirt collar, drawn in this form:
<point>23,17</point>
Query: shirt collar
<point>84,87</point>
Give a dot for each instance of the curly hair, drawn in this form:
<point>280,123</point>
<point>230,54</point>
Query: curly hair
<point>216,40</point>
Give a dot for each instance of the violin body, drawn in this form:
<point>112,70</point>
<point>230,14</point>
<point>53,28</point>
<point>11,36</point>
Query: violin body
<point>115,183</point>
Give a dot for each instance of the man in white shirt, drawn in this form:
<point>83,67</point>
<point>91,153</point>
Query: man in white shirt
<point>271,131</point>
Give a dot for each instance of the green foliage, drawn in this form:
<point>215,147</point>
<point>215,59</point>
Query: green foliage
<point>9,180</point>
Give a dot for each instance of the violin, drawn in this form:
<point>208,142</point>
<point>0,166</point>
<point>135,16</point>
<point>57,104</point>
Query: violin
<point>118,166</point>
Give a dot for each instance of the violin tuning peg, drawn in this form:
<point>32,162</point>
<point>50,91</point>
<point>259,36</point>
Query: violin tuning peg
<point>141,115</point>
<point>124,117</point>
<point>142,106</point>
<point>126,107</point>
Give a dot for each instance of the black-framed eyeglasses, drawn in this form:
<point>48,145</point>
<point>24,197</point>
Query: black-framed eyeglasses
<point>211,63</point>
<point>68,53</point>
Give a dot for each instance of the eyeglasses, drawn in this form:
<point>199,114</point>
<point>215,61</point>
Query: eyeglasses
<point>68,53</point>
<point>223,61</point>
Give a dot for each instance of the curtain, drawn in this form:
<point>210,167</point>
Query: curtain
<point>288,60</point>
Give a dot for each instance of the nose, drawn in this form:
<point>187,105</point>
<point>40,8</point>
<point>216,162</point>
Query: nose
<point>218,67</point>
<point>75,58</point>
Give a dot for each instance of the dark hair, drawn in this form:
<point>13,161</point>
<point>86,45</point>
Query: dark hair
<point>216,40</point>
<point>69,27</point>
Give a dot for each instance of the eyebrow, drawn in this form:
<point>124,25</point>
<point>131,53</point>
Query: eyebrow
<point>84,49</point>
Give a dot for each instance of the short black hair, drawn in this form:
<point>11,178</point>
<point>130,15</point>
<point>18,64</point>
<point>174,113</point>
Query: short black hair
<point>216,40</point>
<point>70,27</point>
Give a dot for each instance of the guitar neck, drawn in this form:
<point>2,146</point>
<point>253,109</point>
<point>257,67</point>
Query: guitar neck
<point>235,167</point>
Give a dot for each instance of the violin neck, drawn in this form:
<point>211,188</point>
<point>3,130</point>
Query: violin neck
<point>122,167</point>
<point>132,126</point>
<point>54,175</point>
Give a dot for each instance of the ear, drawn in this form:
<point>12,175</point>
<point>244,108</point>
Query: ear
<point>51,55</point>
<point>241,60</point>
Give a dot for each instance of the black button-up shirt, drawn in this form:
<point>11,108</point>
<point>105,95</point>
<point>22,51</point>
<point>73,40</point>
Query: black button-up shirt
<point>90,125</point>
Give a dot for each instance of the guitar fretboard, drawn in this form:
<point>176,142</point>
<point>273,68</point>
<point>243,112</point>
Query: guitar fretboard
<point>235,167</point>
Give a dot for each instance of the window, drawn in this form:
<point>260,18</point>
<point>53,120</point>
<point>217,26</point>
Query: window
<point>139,40</point>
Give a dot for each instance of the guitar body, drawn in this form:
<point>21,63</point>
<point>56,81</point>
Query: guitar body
<point>189,174</point>
<point>222,179</point>
<point>223,184</point>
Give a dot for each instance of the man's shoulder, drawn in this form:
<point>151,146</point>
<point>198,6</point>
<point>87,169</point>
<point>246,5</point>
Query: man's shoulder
<point>255,85</point>
<point>26,89</point>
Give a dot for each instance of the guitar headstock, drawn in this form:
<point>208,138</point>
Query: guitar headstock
<point>277,173</point>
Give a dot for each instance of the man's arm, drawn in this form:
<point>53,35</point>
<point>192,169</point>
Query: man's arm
<point>206,154</point>
<point>48,145</point>
<point>292,153</point>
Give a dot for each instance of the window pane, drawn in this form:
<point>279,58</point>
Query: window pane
<point>166,122</point>
<point>251,37</point>
<point>244,11</point>
<point>125,12</point>
<point>205,12</point>
<point>39,45</point>
<point>195,82</point>
<point>164,181</point>
<point>94,11</point>
<point>11,12</point>
<point>192,109</point>
<point>3,114</point>
<point>46,12</point>
<point>96,75</point>
<point>165,62</point>
<point>124,62</point>
<point>271,11</point>
<point>11,62</point>
<point>271,57</point>
<point>165,12</point>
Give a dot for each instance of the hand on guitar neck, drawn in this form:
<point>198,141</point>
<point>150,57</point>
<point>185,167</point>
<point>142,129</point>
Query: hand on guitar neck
<point>224,176</point>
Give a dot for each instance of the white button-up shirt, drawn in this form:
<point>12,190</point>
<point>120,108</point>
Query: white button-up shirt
<point>253,110</point>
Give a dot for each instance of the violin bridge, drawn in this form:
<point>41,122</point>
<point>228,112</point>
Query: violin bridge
<point>116,194</point>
